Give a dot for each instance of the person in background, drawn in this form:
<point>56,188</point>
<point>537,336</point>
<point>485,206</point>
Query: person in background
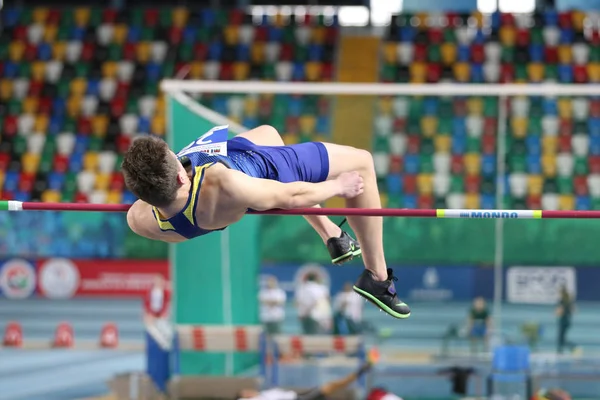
<point>348,308</point>
<point>272,306</point>
<point>157,301</point>
<point>564,312</point>
<point>478,324</point>
<point>312,302</point>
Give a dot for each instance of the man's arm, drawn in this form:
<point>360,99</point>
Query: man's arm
<point>265,194</point>
<point>141,221</point>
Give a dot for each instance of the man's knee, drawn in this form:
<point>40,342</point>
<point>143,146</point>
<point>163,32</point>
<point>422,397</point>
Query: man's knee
<point>272,133</point>
<point>364,158</point>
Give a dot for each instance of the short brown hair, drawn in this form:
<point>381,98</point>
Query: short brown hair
<point>150,172</point>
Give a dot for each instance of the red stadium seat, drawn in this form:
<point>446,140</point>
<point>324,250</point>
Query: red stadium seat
<point>472,183</point>
<point>117,182</point>
<point>434,72</point>
<point>122,89</point>
<point>175,35</point>
<point>292,124</point>
<point>435,35</point>
<point>20,33</point>
<point>457,165</point>
<point>595,108</point>
<point>414,144</point>
<point>580,185</point>
<point>551,55</point>
<point>477,53</point>
<point>425,201</point>
<point>523,37</point>
<point>123,143</point>
<point>226,73</point>
<point>109,16</point>
<point>26,182</point>
<point>4,161</point>
<point>236,17</point>
<point>534,202</point>
<point>84,125</point>
<point>420,52</point>
<point>53,17</point>
<point>410,184</point>
<point>565,20</point>
<point>151,17</point>
<point>490,125</point>
<point>507,19</point>
<point>35,88</point>
<point>81,198</point>
<point>45,105</point>
<point>507,73</point>
<point>565,127</point>
<point>594,164</point>
<point>10,125</point>
<point>200,51</point>
<point>564,143</point>
<point>488,144</point>
<point>396,164</point>
<point>129,51</point>
<point>61,163</point>
<point>580,73</point>
<point>30,53</point>
<point>117,107</point>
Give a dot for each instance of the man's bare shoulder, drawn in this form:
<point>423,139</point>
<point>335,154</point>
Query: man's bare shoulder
<point>140,219</point>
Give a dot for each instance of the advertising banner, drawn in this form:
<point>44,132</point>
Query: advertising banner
<point>17,278</point>
<point>61,278</point>
<point>539,285</point>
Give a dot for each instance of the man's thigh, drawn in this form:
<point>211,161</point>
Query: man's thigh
<point>347,159</point>
<point>264,135</point>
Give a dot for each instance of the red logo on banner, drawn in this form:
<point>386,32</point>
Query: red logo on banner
<point>13,335</point>
<point>109,336</point>
<point>64,336</point>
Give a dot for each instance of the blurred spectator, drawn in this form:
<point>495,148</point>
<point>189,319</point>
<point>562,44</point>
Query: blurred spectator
<point>157,301</point>
<point>314,308</point>
<point>478,325</point>
<point>564,312</point>
<point>272,306</point>
<point>348,308</point>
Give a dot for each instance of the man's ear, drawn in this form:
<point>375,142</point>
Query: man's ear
<point>182,177</point>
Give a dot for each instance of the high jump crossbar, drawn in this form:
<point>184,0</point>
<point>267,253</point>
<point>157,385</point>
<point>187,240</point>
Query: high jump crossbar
<point>11,205</point>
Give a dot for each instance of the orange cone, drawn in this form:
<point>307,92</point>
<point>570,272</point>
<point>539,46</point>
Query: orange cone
<point>109,336</point>
<point>13,335</point>
<point>64,336</point>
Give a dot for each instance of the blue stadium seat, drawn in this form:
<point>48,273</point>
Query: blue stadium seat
<point>93,87</point>
<point>10,17</point>
<point>250,121</point>
<point>536,53</point>
<point>565,73</point>
<point>566,36</point>
<point>208,17</point>
<point>407,34</point>
<point>594,145</point>
<point>44,51</point>
<point>459,126</point>
<point>274,34</point>
<point>410,201</point>
<point>534,164</point>
<point>459,144</point>
<point>295,107</point>
<point>411,163</point>
<point>189,35</point>
<point>55,124</point>
<point>533,145</point>
<point>298,71</point>
<point>594,126</point>
<point>495,20</point>
<point>134,34</point>
<point>243,52</point>
<point>394,184</point>
<point>22,196</point>
<point>10,69</point>
<point>215,49</point>
<point>11,181</point>
<point>477,75</point>
<point>430,106</point>
<point>315,52</point>
<point>463,54</point>
<point>77,33</point>
<point>56,180</point>
<point>128,197</point>
<point>58,107</point>
<point>76,161</point>
<point>488,201</point>
<point>480,37</point>
<point>550,107</point>
<point>550,17</point>
<point>81,144</point>
<point>583,203</point>
<point>488,165</point>
<point>220,104</point>
<point>153,71</point>
<point>323,124</point>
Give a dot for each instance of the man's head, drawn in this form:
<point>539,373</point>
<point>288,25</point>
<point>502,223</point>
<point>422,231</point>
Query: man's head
<point>152,171</point>
<point>348,287</point>
<point>479,303</point>
<point>247,394</point>
<point>272,282</point>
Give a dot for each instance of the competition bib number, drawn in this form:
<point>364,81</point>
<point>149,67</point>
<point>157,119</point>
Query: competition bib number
<point>213,142</point>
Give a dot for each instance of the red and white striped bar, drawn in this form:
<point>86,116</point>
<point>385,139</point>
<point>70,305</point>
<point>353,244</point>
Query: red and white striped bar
<point>219,338</point>
<point>11,205</point>
<point>318,344</point>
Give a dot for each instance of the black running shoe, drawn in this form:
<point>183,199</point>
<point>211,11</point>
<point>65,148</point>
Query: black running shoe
<point>382,294</point>
<point>343,249</point>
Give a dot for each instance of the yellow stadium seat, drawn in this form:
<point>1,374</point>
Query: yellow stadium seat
<point>593,70</point>
<point>478,18</point>
<point>78,86</point>
<point>420,20</point>
<point>519,126</point>
<point>462,71</point>
<point>318,34</point>
<point>442,143</point>
<point>74,106</point>
<point>180,17</point>
<point>290,138</point>
<point>448,51</point>
<point>535,71</point>
<point>120,33</point>
<point>82,16</point>
<point>429,125</point>
<point>90,161</point>
<point>50,32</point>
<point>384,199</point>
<point>549,144</point>
<point>30,105</point>
<point>473,163</point>
<point>160,105</point>
<point>565,54</point>
<point>102,181</point>
<point>30,162</point>
<point>508,35</point>
<point>38,70</point>
<point>565,109</point>
<point>307,124</point>
<point>196,70</point>
<point>158,125</point>
<point>59,49</point>
<point>231,35</point>
<point>472,201</point>
<point>41,123</point>
<point>313,70</point>
<point>142,52</point>
<point>114,197</point>
<point>549,165</point>
<point>15,51</point>
<point>250,106</point>
<point>566,202</point>
<point>51,196</point>
<point>418,72</point>
<point>109,69</point>
<point>280,20</point>
<point>235,118</point>
<point>2,175</point>
<point>475,106</point>
<point>5,89</point>
<point>257,52</point>
<point>535,184</point>
<point>99,125</point>
<point>385,104</point>
<point>389,52</point>
<point>39,15</point>
<point>425,183</point>
<point>241,69</point>
<point>578,19</point>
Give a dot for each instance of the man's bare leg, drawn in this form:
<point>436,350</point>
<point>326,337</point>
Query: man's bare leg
<point>266,135</point>
<point>369,230</point>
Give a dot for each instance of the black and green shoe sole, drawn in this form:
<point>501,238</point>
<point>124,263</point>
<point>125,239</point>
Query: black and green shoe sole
<point>379,304</point>
<point>346,257</point>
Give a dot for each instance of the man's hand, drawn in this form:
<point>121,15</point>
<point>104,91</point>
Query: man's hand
<point>351,184</point>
